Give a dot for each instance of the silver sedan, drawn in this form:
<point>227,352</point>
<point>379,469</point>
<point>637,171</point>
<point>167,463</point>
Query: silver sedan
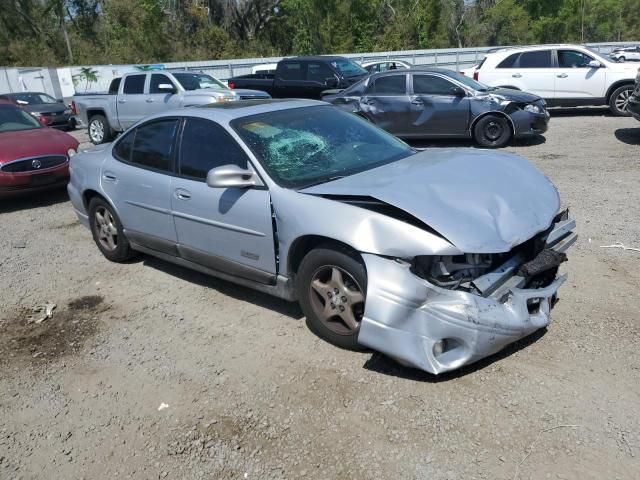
<point>436,258</point>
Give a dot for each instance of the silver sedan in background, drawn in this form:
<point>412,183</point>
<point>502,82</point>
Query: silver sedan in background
<point>436,258</point>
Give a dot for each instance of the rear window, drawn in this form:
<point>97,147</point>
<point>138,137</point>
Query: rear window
<point>537,59</point>
<point>508,62</point>
<point>134,84</point>
<point>115,85</point>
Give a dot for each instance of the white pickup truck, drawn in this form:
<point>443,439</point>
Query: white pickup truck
<point>139,94</point>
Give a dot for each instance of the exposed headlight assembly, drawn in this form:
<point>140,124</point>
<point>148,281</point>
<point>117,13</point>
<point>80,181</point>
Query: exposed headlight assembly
<point>71,152</point>
<point>531,108</point>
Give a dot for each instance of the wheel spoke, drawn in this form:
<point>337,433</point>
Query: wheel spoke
<point>99,217</point>
<point>349,318</point>
<point>336,278</point>
<point>321,288</point>
<point>354,296</point>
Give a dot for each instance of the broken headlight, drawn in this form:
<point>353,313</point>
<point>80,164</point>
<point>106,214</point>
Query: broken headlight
<point>531,108</point>
<point>453,272</point>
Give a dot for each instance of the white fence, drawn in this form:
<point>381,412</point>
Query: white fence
<point>59,82</point>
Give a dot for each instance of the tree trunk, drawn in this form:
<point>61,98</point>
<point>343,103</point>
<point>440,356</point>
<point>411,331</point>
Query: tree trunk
<point>63,26</point>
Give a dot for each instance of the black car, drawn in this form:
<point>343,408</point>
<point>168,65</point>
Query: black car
<point>303,77</point>
<point>633,104</point>
<point>441,103</point>
<point>51,112</point>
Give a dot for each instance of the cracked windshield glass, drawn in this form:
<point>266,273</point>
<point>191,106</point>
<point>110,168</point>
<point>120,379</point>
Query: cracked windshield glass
<point>306,146</point>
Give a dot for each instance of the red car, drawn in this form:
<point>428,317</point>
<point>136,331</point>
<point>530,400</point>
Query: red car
<point>32,157</point>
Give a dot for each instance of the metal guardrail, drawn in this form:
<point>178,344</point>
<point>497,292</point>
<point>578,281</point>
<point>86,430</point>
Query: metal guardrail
<point>59,81</point>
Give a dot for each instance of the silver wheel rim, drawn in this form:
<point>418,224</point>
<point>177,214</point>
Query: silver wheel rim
<point>106,230</point>
<point>337,299</point>
<point>96,131</point>
<point>622,100</point>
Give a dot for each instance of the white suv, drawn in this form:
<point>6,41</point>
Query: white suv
<point>564,75</point>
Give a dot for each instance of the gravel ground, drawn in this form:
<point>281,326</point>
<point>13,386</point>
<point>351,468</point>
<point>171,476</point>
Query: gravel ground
<point>251,393</point>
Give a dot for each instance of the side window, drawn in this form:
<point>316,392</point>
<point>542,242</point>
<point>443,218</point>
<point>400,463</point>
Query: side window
<point>134,84</point>
<point>122,149</point>
<point>431,85</point>
<point>318,72</point>
<point>374,68</point>
<point>156,80</point>
<point>391,85</point>
<point>114,86</point>
<point>508,62</point>
<point>206,145</point>
<point>153,145</point>
<point>537,59</point>
<point>572,59</point>
<point>292,71</point>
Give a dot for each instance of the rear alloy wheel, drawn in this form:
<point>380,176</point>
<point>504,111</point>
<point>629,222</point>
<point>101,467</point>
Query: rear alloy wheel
<point>107,232</point>
<point>331,286</point>
<point>99,130</point>
<point>492,131</point>
<point>619,100</point>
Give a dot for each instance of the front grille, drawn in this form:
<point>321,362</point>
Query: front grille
<point>34,164</point>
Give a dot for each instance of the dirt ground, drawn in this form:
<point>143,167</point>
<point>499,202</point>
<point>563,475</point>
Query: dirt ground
<point>148,370</point>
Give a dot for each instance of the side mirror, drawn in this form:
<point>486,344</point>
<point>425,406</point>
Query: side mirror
<point>458,92</point>
<point>232,176</point>
<point>594,64</point>
<point>331,82</point>
<point>167,88</point>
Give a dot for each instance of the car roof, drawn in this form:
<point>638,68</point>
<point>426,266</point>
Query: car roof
<point>525,48</point>
<point>317,57</point>
<point>13,94</point>
<point>414,69</point>
<point>226,112</point>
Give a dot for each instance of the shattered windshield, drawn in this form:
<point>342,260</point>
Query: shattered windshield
<point>305,146</point>
<point>196,81</point>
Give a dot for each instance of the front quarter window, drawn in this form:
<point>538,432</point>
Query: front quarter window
<point>304,146</point>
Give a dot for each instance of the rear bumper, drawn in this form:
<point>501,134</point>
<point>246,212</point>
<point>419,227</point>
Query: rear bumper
<point>17,184</point>
<point>406,317</point>
<point>78,204</point>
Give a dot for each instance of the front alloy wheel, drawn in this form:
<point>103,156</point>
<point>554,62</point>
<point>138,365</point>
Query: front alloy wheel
<point>619,101</point>
<point>107,231</point>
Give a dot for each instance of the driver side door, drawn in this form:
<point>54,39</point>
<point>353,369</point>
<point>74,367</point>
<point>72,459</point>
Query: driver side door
<point>225,229</point>
<point>575,79</point>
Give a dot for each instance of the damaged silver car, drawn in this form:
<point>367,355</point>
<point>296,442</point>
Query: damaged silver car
<point>436,258</point>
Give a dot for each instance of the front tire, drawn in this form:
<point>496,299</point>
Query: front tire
<point>99,130</point>
<point>619,99</point>
<point>332,285</point>
<point>107,232</point>
<point>492,131</point>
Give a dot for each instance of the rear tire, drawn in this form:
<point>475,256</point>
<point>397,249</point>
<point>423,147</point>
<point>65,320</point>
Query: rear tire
<point>619,99</point>
<point>107,232</point>
<point>99,130</point>
<point>332,285</point>
<point>492,131</point>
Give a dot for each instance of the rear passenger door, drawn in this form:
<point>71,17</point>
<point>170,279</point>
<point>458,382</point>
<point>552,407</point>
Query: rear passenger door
<point>137,179</point>
<point>530,71</point>
<point>225,229</point>
<point>318,74</point>
<point>386,103</point>
<point>131,102</point>
<point>435,109</point>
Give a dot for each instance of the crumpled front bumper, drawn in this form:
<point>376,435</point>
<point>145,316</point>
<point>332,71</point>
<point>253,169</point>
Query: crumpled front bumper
<point>405,315</point>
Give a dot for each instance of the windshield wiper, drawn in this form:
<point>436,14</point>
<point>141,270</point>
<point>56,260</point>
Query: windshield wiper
<point>324,180</point>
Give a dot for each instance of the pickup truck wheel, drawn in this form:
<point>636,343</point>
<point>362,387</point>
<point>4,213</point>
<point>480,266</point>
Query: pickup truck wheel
<point>99,130</point>
<point>331,285</point>
<point>107,232</point>
<point>492,131</point>
<point>619,99</point>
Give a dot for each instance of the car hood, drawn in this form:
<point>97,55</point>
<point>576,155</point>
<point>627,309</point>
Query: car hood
<point>212,92</point>
<point>45,107</point>
<point>509,94</point>
<point>39,141</point>
<point>253,93</point>
<point>481,201</point>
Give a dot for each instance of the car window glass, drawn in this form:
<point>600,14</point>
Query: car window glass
<point>573,59</point>
<point>156,80</point>
<point>536,59</point>
<point>134,84</point>
<point>115,85</point>
<point>153,145</point>
<point>206,145</point>
<point>292,71</point>
<point>391,85</point>
<point>122,150</point>
<point>318,72</point>
<point>13,119</point>
<point>431,85</point>
<point>506,63</point>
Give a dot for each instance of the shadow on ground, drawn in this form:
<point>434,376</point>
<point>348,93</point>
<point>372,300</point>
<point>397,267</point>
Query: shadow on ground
<point>630,136</point>
<point>462,143</point>
<point>580,112</point>
<point>33,200</point>
<point>380,363</point>
<point>245,294</point>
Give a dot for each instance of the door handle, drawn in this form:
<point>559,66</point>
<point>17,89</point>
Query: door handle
<point>182,194</point>
<point>562,75</point>
<point>149,100</point>
<point>122,100</point>
<point>109,176</point>
<point>516,75</point>
<point>417,101</point>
